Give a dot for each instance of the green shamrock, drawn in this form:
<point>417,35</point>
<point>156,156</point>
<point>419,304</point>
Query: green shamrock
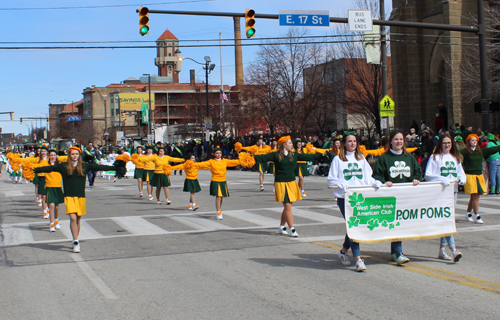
<point>372,224</point>
<point>449,169</point>
<point>355,199</point>
<point>397,224</point>
<point>385,223</point>
<point>391,226</point>
<point>352,171</point>
<point>353,222</point>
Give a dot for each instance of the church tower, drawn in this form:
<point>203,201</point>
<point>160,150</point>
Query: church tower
<point>166,59</point>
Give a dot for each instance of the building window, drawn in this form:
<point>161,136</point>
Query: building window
<point>87,106</point>
<point>169,67</point>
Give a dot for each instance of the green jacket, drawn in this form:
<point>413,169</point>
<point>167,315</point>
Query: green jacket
<point>473,163</point>
<point>74,185</point>
<point>285,169</point>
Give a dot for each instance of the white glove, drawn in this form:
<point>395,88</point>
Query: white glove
<point>377,184</point>
<point>343,186</point>
<point>461,182</point>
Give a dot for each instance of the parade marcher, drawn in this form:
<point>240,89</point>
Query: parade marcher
<point>91,155</point>
<point>3,161</point>
<point>55,195</point>
<point>473,167</point>
<point>191,183</point>
<point>493,165</point>
<point>218,186</point>
<point>444,166</point>
<point>397,165</point>
<point>149,169</point>
<point>257,149</point>
<point>286,188</point>
<point>43,160</point>
<point>301,167</point>
<point>160,179</point>
<point>349,168</point>
<point>139,169</point>
<point>74,176</point>
<point>274,148</point>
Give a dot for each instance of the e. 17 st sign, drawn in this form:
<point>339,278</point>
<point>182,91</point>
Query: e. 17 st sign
<point>304,18</point>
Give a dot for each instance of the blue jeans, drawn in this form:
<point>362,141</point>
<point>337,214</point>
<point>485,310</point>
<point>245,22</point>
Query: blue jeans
<point>494,167</point>
<point>348,243</point>
<point>449,240</point>
<point>91,176</point>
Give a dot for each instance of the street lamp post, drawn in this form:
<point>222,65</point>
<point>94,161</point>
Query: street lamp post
<point>208,68</point>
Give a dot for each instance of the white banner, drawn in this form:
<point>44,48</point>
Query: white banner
<point>401,212</point>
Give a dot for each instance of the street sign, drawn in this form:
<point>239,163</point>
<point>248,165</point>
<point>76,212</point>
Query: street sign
<point>387,107</point>
<point>304,18</point>
<point>208,123</point>
<point>360,20</point>
<point>383,123</point>
<point>145,112</point>
<point>76,118</point>
<point>120,135</point>
<point>151,138</point>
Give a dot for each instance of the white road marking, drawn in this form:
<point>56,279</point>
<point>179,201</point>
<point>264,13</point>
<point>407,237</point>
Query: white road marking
<point>17,234</point>
<point>14,193</point>
<point>138,226</point>
<point>94,277</point>
<point>200,223</point>
<point>256,219</point>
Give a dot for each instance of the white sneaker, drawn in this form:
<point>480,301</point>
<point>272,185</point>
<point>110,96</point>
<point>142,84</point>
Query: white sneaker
<point>45,215</point>
<point>293,233</point>
<point>151,197</point>
<point>344,259</point>
<point>52,228</point>
<point>58,225</point>
<point>304,193</point>
<point>76,246</point>
<point>360,265</point>
<point>468,216</point>
<point>158,201</point>
<point>261,188</point>
<point>456,255</point>
<point>219,215</point>
<point>40,203</point>
<point>140,194</point>
<point>168,201</point>
<point>443,255</point>
<point>190,207</point>
<point>195,207</point>
<point>283,230</point>
<point>477,219</point>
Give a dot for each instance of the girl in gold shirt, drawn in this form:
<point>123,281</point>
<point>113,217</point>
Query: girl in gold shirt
<point>191,183</point>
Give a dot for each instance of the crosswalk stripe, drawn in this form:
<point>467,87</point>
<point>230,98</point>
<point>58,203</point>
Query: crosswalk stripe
<point>87,232</point>
<point>17,234</point>
<point>199,223</point>
<point>483,201</point>
<point>481,209</point>
<point>320,217</point>
<point>256,219</point>
<point>138,226</point>
<point>14,193</point>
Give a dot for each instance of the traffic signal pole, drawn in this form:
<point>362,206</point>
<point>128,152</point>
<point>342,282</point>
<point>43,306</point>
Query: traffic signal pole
<point>480,30</point>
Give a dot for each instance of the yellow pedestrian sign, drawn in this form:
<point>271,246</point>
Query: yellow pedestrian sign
<point>387,107</point>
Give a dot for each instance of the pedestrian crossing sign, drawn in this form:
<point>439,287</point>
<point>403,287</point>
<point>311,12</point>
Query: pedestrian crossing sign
<point>387,107</point>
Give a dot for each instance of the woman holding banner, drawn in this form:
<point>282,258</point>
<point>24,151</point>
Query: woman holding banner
<point>444,166</point>
<point>473,166</point>
<point>397,165</point>
<point>349,168</point>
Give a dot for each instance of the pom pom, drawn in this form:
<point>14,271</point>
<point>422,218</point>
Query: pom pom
<point>253,149</point>
<point>119,157</point>
<point>16,167</point>
<point>135,158</point>
<point>188,164</point>
<point>28,175</point>
<point>63,158</point>
<point>167,169</point>
<point>126,158</point>
<point>121,170</point>
<point>310,148</point>
<point>27,165</point>
<point>237,146</point>
<point>362,148</point>
<point>9,155</point>
<point>246,160</point>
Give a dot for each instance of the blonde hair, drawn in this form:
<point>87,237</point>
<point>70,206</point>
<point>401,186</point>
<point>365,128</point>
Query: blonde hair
<point>281,152</point>
<point>78,168</point>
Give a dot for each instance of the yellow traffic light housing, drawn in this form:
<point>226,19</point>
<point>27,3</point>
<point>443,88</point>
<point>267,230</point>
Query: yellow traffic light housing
<point>48,119</point>
<point>123,116</point>
<point>143,20</point>
<point>12,116</point>
<point>21,120</point>
<point>250,22</point>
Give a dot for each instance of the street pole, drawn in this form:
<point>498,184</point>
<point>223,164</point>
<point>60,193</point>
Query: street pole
<point>150,112</point>
<point>206,82</point>
<point>483,65</point>
<point>383,54</point>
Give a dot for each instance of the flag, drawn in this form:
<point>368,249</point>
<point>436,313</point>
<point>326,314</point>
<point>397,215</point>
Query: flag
<point>223,96</point>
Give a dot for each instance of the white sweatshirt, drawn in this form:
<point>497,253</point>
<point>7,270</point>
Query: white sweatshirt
<point>444,167</point>
<point>349,173</point>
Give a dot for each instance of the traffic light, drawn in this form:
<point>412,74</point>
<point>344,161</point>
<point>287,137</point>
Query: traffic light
<point>21,119</point>
<point>123,116</point>
<point>12,116</point>
<point>250,22</point>
<point>143,20</point>
<point>48,120</point>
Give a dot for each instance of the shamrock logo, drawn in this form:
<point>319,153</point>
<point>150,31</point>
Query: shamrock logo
<point>356,199</point>
<point>385,223</point>
<point>353,222</point>
<point>353,171</point>
<point>372,224</point>
<point>400,169</point>
<point>449,169</point>
<point>391,226</point>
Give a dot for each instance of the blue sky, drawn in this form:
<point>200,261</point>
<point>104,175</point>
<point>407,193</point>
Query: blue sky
<point>31,79</point>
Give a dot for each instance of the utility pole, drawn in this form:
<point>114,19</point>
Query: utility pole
<point>383,55</point>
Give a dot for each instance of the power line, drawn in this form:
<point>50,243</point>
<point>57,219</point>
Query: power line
<point>100,7</point>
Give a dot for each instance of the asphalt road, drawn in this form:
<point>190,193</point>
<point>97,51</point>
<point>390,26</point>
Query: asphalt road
<point>141,260</point>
